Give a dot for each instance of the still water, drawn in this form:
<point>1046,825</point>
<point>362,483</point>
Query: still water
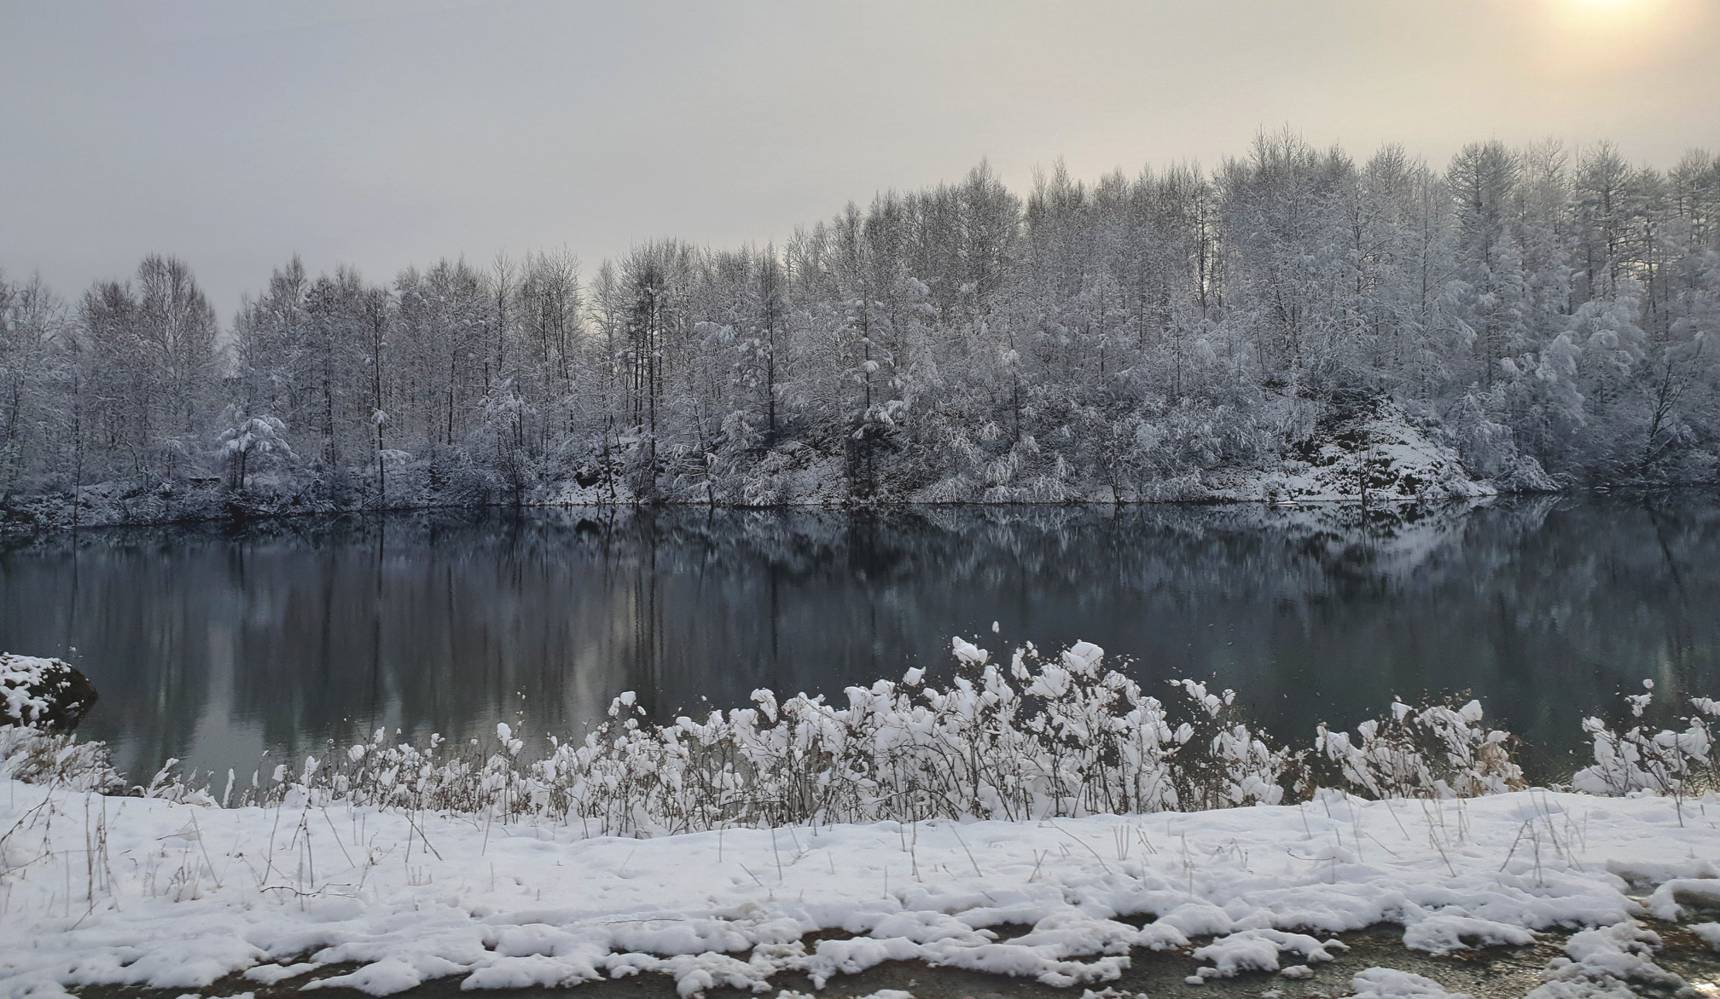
<point>215,645</point>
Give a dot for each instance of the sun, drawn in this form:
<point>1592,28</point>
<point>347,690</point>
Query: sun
<point>1602,8</point>
<point>1585,36</point>
<point>1607,15</point>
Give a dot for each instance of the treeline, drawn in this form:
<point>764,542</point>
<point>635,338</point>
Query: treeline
<point>1124,338</point>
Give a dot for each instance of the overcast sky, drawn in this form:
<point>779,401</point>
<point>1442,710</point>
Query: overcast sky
<point>382,134</point>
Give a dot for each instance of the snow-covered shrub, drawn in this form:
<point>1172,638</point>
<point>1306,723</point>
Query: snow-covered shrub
<point>252,442</point>
<point>169,784</point>
<point>452,476</point>
<point>1039,736</point>
<point>37,757</point>
<point>1237,766</point>
<point>1437,750</point>
<point>1490,448</point>
<point>1643,758</point>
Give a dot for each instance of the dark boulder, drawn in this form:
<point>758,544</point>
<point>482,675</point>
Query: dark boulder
<point>43,693</point>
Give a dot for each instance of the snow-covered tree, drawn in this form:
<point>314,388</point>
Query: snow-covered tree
<point>1554,312</point>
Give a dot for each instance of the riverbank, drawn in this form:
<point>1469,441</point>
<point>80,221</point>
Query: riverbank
<point>150,893</point>
<point>1368,452</point>
<point>1044,820</point>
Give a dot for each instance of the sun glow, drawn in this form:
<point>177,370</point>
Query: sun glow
<point>1614,32</point>
<point>1603,11</point>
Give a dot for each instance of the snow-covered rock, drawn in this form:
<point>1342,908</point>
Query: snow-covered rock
<point>42,693</point>
<point>1607,961</point>
<point>1388,983</point>
<point>1368,447</point>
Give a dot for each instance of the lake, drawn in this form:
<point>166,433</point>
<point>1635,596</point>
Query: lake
<point>213,644</point>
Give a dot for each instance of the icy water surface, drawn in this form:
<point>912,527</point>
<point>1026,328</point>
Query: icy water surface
<point>213,645</point>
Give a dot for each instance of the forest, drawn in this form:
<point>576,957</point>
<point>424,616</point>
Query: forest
<point>1544,312</point>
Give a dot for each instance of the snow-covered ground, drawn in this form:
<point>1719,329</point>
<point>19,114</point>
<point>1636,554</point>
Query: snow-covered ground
<point>393,865</point>
<point>148,892</point>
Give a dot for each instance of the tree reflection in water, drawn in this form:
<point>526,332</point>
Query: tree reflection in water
<point>212,645</point>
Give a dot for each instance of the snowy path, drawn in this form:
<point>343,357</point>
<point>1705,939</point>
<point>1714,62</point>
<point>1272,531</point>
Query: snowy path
<point>132,891</point>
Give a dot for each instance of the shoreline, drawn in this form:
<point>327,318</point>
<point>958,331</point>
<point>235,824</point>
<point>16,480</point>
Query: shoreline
<point>16,529</point>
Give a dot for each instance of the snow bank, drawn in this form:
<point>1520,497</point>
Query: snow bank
<point>174,895</point>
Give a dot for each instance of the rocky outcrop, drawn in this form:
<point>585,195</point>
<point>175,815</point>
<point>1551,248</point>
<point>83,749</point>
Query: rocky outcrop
<point>43,693</point>
<point>1365,448</point>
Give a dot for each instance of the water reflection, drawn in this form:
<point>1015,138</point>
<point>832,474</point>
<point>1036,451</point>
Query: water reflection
<point>212,645</point>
